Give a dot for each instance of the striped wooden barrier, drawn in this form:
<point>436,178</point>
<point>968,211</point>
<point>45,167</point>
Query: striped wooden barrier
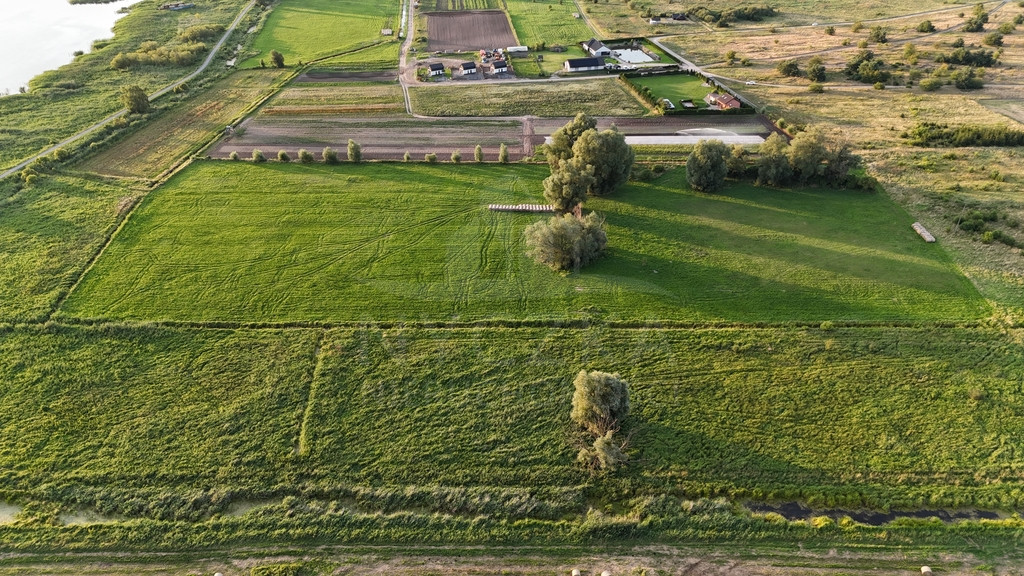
<point>922,232</point>
<point>520,208</point>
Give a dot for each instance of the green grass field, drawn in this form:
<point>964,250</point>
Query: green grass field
<point>292,243</point>
<point>547,21</point>
<point>599,97</point>
<point>676,87</point>
<point>48,232</point>
<point>309,29</point>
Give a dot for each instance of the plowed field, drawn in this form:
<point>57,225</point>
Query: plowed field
<point>469,30</point>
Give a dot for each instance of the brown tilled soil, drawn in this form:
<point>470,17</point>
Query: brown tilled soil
<point>469,30</point>
<point>343,76</point>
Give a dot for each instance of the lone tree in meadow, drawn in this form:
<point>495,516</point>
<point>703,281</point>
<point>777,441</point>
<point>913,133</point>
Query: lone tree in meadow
<point>355,151</point>
<point>565,242</point>
<point>134,98</point>
<point>567,186</point>
<point>277,59</point>
<point>600,401</point>
<point>565,138</point>
<point>707,166</point>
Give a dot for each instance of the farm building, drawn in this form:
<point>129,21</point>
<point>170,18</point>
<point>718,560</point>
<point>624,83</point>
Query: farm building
<point>584,64</point>
<point>436,69</point>
<point>500,67</point>
<point>468,68</point>
<point>517,49</point>
<point>595,47</point>
<point>722,101</point>
<point>654,21</point>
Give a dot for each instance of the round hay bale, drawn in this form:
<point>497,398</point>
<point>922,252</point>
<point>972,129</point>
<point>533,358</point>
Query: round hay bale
<point>575,572</point>
<point>926,570</point>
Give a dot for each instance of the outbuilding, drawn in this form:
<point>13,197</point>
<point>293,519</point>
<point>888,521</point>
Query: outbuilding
<point>595,47</point>
<point>584,64</point>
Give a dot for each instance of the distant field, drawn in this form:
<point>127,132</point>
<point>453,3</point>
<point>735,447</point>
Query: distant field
<point>383,56</point>
<point>48,232</point>
<point>309,29</point>
<point>676,87</point>
<point>352,98</point>
<point>1013,109</point>
<point>599,97</point>
<point>282,243</point>
<point>160,144</point>
<point>547,21</point>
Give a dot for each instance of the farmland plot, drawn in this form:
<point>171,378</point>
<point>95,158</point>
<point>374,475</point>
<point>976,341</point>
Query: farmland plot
<point>309,29</point>
<point>443,5</point>
<point>351,98</point>
<point>381,139</point>
<point>598,97</point>
<point>415,242</point>
<point>547,21</point>
<point>163,142</point>
<point>460,31</point>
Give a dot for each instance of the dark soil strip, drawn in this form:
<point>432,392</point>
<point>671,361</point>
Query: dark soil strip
<point>797,511</point>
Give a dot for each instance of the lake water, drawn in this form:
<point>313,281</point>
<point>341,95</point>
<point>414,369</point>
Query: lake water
<point>40,35</point>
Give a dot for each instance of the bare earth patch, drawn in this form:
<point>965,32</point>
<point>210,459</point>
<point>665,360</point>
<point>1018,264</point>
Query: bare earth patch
<point>469,30</point>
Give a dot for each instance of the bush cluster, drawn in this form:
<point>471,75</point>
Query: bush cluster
<point>152,54</point>
<point>934,135</point>
<point>565,242</point>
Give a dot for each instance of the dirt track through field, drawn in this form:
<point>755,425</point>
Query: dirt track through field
<point>469,30</point>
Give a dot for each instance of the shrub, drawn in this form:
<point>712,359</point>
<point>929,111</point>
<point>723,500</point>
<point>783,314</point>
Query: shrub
<point>258,157</point>
<point>706,167</point>
<point>600,401</point>
<point>788,68</point>
<point>879,35</point>
<point>830,30</point>
<point>478,153</point>
<point>879,85</point>
<point>993,39</point>
<point>565,242</point>
<point>430,158</point>
<point>329,155</point>
<point>857,26</point>
<point>503,154</point>
<point>283,156</point>
<point>456,156</point>
<point>355,151</point>
<point>277,59</point>
<point>407,157</point>
<point>926,26</point>
<point>604,455</point>
<point>816,87</point>
<point>931,84</point>
<point>305,156</point>
<point>233,156</point>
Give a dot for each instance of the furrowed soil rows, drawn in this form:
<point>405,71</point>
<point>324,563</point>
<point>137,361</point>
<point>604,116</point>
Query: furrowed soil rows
<point>383,139</point>
<point>469,30</point>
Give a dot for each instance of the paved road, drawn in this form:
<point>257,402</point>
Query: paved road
<point>83,133</point>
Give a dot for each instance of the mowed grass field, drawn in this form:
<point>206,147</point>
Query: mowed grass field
<point>415,242</point>
<point>309,29</point>
<point>160,144</point>
<point>676,87</point>
<point>598,97</point>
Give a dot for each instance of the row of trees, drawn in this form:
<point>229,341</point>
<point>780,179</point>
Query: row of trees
<point>815,155</point>
<point>355,154</point>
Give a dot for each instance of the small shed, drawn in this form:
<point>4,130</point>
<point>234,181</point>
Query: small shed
<point>500,67</point>
<point>436,69</point>
<point>654,21</point>
<point>468,68</point>
<point>584,64</point>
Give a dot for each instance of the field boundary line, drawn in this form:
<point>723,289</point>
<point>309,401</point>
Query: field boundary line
<point>302,448</point>
<point>517,324</point>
